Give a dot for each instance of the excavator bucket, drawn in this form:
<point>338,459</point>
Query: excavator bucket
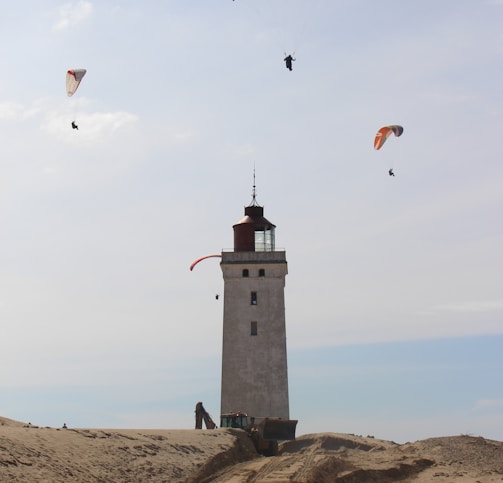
<point>279,429</point>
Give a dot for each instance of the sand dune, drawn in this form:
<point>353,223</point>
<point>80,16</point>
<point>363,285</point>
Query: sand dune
<point>29,453</point>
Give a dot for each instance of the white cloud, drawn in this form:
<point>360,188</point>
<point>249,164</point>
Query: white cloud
<point>72,14</point>
<point>14,111</point>
<point>473,306</point>
<point>92,126</point>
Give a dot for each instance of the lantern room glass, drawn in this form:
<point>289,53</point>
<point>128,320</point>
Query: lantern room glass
<point>264,240</point>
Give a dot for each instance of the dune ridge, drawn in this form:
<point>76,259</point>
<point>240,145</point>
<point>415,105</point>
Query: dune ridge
<point>29,453</point>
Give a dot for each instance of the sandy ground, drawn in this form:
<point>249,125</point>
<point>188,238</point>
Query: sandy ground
<point>41,454</point>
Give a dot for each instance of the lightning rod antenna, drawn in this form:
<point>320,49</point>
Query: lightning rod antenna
<point>254,190</point>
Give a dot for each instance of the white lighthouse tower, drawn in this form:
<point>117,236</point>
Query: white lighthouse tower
<point>254,360</point>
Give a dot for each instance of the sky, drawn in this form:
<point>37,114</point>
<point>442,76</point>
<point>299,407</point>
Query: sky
<point>394,296</point>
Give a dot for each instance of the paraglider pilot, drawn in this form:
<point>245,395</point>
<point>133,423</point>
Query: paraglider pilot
<point>288,61</point>
<point>74,126</point>
<point>390,172</point>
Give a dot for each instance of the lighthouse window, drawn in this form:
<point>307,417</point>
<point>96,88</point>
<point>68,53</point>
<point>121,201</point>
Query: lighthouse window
<point>245,272</point>
<point>254,298</point>
<point>261,272</point>
<point>253,328</point>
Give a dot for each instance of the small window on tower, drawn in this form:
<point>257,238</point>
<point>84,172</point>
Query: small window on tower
<point>253,328</point>
<point>254,298</point>
<point>245,272</point>
<point>261,272</point>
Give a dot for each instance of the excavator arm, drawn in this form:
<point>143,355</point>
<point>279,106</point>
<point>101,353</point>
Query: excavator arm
<point>203,415</point>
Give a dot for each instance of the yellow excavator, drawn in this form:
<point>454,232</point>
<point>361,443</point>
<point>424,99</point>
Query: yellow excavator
<point>265,434</point>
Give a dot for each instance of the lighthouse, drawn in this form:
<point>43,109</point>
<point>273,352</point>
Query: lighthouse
<point>254,355</point>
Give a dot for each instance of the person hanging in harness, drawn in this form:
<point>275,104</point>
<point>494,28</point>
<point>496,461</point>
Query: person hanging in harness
<point>390,172</point>
<point>74,126</point>
<point>288,61</point>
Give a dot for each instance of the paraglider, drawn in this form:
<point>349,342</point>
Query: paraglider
<point>195,262</point>
<point>384,133</point>
<point>73,79</point>
<point>288,61</point>
<point>285,22</point>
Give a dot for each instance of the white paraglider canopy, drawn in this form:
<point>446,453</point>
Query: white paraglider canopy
<point>73,78</point>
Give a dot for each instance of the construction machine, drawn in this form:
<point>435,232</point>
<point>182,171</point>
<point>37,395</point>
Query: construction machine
<point>203,415</point>
<point>264,434</point>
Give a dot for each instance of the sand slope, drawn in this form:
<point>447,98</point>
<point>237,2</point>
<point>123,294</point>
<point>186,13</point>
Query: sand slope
<point>333,457</point>
<point>41,454</point>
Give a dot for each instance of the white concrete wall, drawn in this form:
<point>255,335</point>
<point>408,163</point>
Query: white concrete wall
<point>254,368</point>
